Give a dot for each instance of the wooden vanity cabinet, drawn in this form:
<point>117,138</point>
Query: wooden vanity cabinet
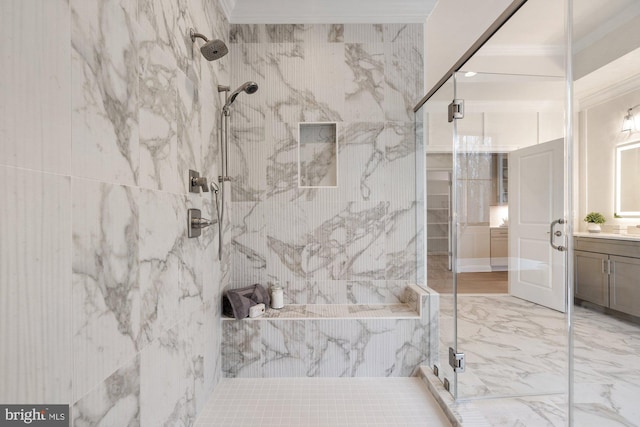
<point>607,273</point>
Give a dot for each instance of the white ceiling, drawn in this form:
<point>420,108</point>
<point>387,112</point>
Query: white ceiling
<point>327,11</point>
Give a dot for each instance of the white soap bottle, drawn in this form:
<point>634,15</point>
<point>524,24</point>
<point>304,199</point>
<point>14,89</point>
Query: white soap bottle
<point>277,295</point>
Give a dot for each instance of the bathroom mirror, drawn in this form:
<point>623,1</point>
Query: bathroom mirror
<point>628,180</point>
<point>317,155</point>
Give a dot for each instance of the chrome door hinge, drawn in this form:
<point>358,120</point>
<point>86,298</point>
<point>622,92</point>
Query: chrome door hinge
<point>456,360</point>
<point>456,110</point>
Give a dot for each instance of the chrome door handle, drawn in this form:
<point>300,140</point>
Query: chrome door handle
<point>552,234</point>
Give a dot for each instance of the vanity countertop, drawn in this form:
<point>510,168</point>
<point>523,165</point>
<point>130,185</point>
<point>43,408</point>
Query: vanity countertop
<point>615,236</point>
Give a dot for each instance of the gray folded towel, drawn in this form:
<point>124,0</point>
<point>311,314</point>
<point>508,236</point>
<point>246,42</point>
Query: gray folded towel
<point>237,302</point>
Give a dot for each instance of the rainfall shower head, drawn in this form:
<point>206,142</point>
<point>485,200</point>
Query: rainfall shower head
<point>248,87</point>
<point>211,49</point>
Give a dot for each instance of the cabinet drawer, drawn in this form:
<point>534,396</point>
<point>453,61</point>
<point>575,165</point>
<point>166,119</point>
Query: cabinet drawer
<point>608,246</point>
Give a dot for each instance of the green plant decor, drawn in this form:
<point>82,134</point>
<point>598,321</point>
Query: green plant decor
<point>595,218</point>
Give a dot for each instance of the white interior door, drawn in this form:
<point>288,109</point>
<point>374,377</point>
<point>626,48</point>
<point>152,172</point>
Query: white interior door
<point>536,199</point>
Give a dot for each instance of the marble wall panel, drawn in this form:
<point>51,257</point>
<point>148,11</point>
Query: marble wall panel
<point>157,93</point>
<point>106,291</point>
<point>326,348</point>
<point>342,74</point>
<point>35,107</point>
<point>116,401</point>
<point>109,117</point>
<point>35,287</point>
<point>105,141</point>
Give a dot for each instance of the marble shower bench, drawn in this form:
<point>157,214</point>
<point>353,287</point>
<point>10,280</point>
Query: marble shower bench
<point>331,340</point>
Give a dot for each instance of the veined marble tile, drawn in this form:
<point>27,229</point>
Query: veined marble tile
<point>400,154</point>
<point>114,402</point>
<point>324,33</point>
<point>400,242</point>
<point>326,292</point>
<point>106,293</point>
<point>362,140</point>
<point>282,162</point>
<point>193,260</point>
<point>241,349</point>
<point>364,82</point>
<point>403,51</point>
<point>173,374</point>
<point>363,33</point>
<point>105,90</point>
<point>284,351</point>
<point>35,104</point>
<point>267,33</point>
<point>374,291</point>
<point>189,121</point>
<point>160,260</point>
<point>36,360</point>
<point>157,104</point>
<point>329,344</point>
<point>349,244</point>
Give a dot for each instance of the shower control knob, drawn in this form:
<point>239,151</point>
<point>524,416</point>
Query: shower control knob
<point>197,182</point>
<point>196,223</point>
<point>200,182</point>
<point>200,222</point>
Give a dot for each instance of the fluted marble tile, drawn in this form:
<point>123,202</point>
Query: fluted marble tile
<point>282,162</point>
<point>375,291</point>
<point>105,90</point>
<point>248,246</point>
<point>326,292</point>
<point>241,349</point>
<point>246,33</point>
<point>284,351</point>
<point>401,242</point>
<point>364,82</point>
<point>362,143</point>
<point>403,52</point>
<point>324,33</point>
<point>114,402</point>
<point>348,244</point>
<point>157,99</point>
<point>363,33</point>
<point>189,121</point>
<point>172,374</point>
<point>161,237</point>
<point>400,153</point>
<point>329,344</point>
<point>35,103</point>
<point>106,293</point>
<point>212,337</point>
<point>35,287</point>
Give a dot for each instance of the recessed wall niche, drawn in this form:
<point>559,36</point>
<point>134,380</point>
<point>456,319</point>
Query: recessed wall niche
<point>317,155</point>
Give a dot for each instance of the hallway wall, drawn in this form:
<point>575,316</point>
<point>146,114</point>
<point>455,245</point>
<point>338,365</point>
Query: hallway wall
<point>105,304</point>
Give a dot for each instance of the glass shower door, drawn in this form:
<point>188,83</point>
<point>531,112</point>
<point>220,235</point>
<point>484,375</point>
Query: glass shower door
<point>435,136</point>
<point>511,200</point>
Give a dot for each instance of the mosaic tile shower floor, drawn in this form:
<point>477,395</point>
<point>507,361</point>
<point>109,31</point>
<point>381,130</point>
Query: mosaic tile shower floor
<point>326,402</point>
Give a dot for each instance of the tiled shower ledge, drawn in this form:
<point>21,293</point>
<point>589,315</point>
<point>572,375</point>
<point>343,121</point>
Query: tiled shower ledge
<point>339,311</point>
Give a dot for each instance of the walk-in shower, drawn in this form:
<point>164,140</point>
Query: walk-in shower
<point>223,132</point>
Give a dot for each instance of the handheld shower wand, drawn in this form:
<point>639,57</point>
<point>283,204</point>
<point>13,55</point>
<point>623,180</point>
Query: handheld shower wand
<point>248,88</point>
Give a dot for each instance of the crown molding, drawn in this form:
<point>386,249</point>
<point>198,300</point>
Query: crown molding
<point>588,100</point>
